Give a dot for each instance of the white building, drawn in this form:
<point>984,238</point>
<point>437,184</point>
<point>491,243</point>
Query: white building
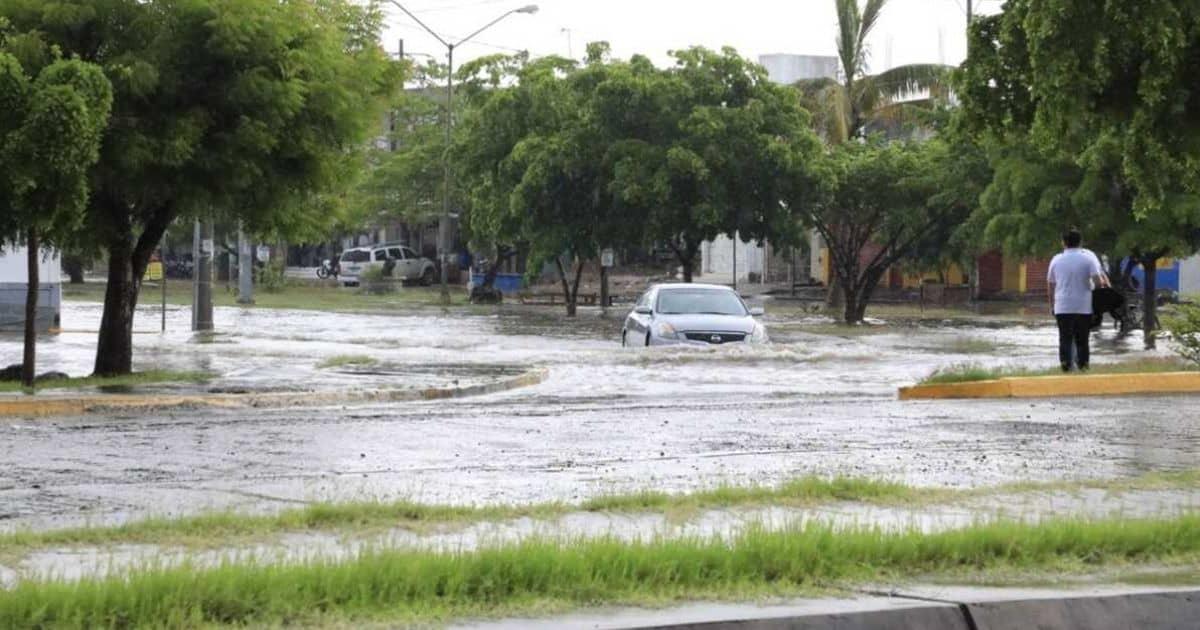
<point>14,283</point>
<point>753,258</point>
<point>1189,276</point>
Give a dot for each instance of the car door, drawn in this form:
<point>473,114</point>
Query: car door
<point>637,324</point>
<point>397,257</point>
<point>413,263</point>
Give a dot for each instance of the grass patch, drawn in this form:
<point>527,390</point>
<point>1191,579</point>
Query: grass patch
<point>431,586</point>
<point>149,377</point>
<point>971,372</point>
<point>347,360</point>
<point>223,527</point>
<point>220,529</point>
<point>309,298</point>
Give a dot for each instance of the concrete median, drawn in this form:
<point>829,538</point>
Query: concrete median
<point>1137,610</point>
<point>1059,386</point>
<point>23,406</point>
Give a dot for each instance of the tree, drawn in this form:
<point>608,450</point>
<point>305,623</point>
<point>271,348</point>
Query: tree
<point>701,149</point>
<point>222,109</point>
<point>860,102</point>
<point>533,168</point>
<point>49,138</point>
<point>877,207</point>
<point>1091,119</point>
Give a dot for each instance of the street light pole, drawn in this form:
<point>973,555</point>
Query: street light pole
<point>444,221</point>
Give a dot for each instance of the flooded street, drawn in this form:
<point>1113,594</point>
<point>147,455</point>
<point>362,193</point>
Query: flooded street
<point>608,419</point>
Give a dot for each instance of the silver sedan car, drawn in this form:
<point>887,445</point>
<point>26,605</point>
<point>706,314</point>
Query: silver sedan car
<point>700,314</point>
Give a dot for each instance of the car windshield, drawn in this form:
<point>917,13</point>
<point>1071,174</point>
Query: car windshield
<point>699,301</point>
<point>356,256</point>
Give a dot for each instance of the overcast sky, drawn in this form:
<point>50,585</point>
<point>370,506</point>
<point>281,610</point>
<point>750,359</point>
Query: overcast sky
<point>910,31</point>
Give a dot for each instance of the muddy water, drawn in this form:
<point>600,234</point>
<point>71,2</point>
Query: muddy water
<point>608,419</point>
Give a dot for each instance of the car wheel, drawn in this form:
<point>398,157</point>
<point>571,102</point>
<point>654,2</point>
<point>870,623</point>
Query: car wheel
<point>427,277</point>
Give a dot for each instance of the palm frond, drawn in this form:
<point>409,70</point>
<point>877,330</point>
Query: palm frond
<point>902,82</point>
<point>848,46</point>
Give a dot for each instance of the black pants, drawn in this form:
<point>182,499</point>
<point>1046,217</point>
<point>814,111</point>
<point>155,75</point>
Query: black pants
<point>1073,337</point>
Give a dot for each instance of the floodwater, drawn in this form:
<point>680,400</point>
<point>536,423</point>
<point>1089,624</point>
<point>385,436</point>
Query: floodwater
<point>607,419</point>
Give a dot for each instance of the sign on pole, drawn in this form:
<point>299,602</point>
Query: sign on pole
<point>608,258</point>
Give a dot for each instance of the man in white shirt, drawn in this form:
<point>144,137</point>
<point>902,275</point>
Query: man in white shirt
<point>1070,280</point>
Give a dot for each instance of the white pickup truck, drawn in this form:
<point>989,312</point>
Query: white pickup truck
<point>403,263</point>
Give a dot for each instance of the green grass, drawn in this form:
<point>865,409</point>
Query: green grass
<point>971,372</point>
<point>222,529</point>
<point>422,586</point>
<point>149,377</point>
<point>312,298</point>
<point>347,360</point>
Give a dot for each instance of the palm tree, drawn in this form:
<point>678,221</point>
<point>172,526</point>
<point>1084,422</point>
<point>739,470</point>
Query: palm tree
<point>847,109</point>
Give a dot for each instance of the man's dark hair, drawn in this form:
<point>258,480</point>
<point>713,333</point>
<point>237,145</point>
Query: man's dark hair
<point>1072,238</point>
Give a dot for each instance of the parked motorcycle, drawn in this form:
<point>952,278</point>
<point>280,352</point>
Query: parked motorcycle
<point>328,269</point>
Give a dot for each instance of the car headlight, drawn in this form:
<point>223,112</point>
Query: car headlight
<point>667,331</point>
<point>759,335</point>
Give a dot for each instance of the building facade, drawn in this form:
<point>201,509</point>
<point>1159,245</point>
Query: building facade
<point>14,284</point>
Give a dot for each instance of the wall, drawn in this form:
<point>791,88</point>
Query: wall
<point>716,259</point>
<point>1189,276</point>
<point>14,284</point>
<point>787,69</point>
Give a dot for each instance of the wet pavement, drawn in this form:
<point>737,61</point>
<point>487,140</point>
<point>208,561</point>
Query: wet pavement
<point>607,420</point>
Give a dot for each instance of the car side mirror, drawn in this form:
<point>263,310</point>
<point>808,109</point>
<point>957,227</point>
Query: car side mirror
<point>757,311</point>
<point>643,310</point>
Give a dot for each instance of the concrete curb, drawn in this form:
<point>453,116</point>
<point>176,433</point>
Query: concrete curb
<point>120,403</point>
<point>1058,386</point>
<point>1163,610</point>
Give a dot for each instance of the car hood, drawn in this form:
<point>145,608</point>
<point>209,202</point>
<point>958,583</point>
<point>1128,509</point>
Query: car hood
<point>709,323</point>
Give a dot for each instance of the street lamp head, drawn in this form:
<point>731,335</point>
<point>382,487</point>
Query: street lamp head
<point>529,8</point>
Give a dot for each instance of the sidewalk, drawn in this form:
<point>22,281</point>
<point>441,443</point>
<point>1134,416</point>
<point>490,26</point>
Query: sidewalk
<point>1109,607</point>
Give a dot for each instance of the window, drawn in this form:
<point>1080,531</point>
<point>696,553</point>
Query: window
<point>394,252</point>
<point>380,255</point>
<point>700,302</point>
<point>408,253</point>
<point>356,256</point>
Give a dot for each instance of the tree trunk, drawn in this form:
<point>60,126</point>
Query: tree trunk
<point>127,262</point>
<point>567,297</point>
<point>74,268</point>
<point>29,367</point>
<point>1150,300</point>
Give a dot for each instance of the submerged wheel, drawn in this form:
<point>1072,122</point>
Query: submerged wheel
<point>427,277</point>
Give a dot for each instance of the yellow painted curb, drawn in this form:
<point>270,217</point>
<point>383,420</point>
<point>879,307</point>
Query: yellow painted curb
<point>1060,386</point>
<point>35,407</point>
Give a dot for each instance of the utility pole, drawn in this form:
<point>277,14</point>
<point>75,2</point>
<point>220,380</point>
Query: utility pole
<point>245,268</point>
<point>444,220</point>
<point>202,251</point>
<point>970,12</point>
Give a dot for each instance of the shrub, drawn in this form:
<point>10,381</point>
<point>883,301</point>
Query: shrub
<point>271,278</point>
<point>375,282</point>
<point>1184,327</point>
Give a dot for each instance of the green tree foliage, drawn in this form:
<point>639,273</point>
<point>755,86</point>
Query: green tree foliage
<point>573,157</point>
<point>877,207</point>
<point>49,137</point>
<point>863,102</point>
<point>1090,121</point>
<point>241,109</point>
<point>701,149</point>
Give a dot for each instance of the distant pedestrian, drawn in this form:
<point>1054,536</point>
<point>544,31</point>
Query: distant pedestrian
<point>1072,276</point>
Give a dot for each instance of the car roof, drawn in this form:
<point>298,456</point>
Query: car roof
<point>690,285</point>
